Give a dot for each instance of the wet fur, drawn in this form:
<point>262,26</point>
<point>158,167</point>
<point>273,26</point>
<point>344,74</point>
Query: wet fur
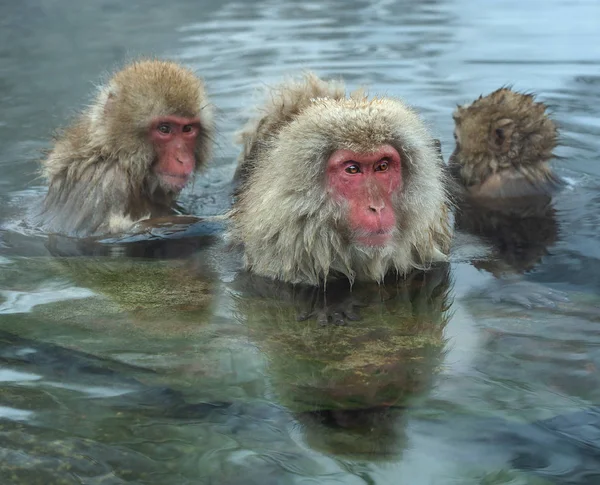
<point>519,166</point>
<point>520,235</point>
<point>506,188</point>
<point>290,227</point>
<point>99,170</point>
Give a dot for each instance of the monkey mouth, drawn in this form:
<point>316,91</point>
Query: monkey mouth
<point>378,238</point>
<point>174,181</point>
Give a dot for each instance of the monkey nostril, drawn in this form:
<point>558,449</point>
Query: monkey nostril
<point>376,207</point>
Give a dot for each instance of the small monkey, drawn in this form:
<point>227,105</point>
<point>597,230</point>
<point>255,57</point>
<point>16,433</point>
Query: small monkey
<point>503,144</point>
<point>336,185</point>
<point>128,156</point>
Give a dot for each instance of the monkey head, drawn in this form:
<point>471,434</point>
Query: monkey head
<point>503,132</point>
<point>155,116</point>
<point>346,185</point>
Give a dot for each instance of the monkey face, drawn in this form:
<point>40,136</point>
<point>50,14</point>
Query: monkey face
<point>366,182</point>
<point>338,185</point>
<point>174,139</point>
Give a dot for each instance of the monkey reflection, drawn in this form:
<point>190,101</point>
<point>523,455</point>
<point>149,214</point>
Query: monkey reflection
<point>375,433</point>
<point>348,386</point>
<point>504,142</point>
<point>122,296</point>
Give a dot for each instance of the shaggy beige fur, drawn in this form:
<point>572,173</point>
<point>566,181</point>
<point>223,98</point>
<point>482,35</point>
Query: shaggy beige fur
<point>99,169</point>
<point>291,229</point>
<point>502,138</point>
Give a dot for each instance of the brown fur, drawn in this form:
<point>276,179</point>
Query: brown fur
<point>505,178</point>
<point>99,168</point>
<point>519,235</point>
<point>503,143</point>
<point>290,228</point>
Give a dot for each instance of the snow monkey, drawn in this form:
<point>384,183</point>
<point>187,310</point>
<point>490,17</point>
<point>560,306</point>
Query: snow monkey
<point>338,185</point>
<point>127,157</point>
<point>503,144</point>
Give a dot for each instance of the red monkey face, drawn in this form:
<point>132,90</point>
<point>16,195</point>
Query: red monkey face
<point>174,140</point>
<point>366,182</point>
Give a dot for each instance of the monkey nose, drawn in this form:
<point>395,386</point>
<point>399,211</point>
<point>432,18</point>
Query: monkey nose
<point>376,207</point>
<point>184,159</point>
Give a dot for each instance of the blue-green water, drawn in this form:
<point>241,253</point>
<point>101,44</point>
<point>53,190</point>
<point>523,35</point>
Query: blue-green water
<point>409,394</point>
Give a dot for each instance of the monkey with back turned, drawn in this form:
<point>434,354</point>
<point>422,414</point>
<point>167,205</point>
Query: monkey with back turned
<point>504,142</point>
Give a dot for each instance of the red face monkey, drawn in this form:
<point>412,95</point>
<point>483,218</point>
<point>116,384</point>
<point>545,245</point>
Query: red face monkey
<point>334,185</point>
<point>129,155</point>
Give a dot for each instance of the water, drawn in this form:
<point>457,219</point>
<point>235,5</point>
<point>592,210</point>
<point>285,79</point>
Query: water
<point>182,378</point>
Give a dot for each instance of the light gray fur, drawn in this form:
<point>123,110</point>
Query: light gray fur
<point>290,227</point>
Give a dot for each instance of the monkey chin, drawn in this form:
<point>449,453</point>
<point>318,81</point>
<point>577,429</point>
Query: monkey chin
<point>172,183</point>
<point>377,239</point>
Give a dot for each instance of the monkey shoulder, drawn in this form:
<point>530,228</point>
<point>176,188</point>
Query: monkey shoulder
<point>516,185</point>
<point>284,104</point>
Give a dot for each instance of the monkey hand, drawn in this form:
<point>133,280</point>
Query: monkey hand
<point>524,293</point>
<point>335,310</point>
<point>166,224</point>
<point>338,314</point>
<point>172,227</point>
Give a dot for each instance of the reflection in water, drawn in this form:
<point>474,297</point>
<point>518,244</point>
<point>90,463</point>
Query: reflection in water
<point>343,381</point>
<point>561,450</point>
<point>544,448</point>
<point>23,302</point>
<point>375,434</point>
<point>455,414</point>
<point>504,183</point>
<point>117,294</point>
<point>520,234</point>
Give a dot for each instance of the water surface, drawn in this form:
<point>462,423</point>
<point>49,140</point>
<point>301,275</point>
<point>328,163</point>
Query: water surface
<point>118,370</point>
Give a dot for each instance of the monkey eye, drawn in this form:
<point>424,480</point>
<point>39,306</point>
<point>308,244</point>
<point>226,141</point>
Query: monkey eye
<point>352,169</point>
<point>383,166</point>
<point>187,128</point>
<point>164,128</point>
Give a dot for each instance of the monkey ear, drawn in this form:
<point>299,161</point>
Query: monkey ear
<point>501,134</point>
<point>111,101</point>
<point>457,115</point>
<point>106,104</point>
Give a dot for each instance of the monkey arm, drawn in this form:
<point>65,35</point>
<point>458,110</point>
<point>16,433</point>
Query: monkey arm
<point>174,222</point>
<point>163,237</point>
<point>174,228</point>
<point>337,307</point>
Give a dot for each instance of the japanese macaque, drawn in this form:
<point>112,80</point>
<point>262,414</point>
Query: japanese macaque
<point>335,185</point>
<point>128,156</point>
<point>504,142</point>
